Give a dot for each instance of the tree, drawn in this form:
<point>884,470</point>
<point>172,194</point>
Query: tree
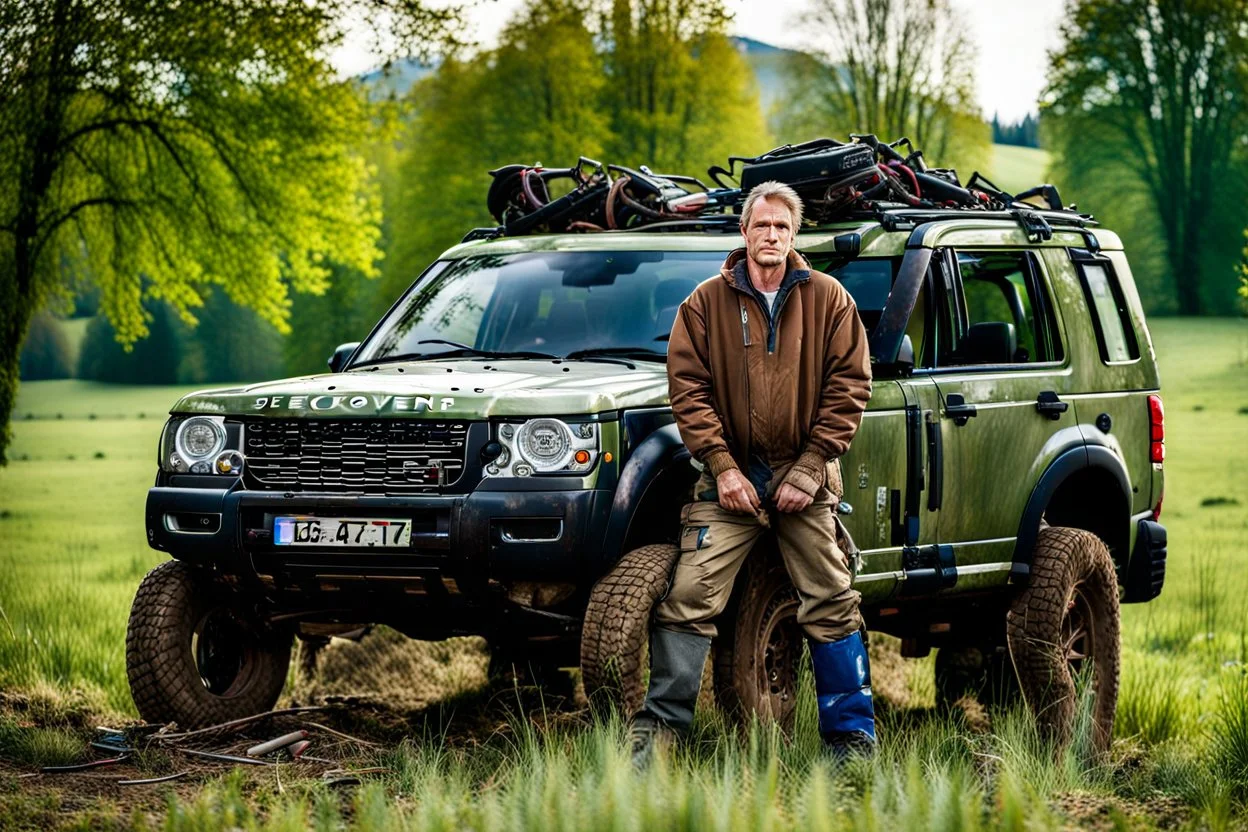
<point>535,98</point>
<point>46,352</point>
<point>159,148</point>
<point>231,343</point>
<point>645,83</point>
<point>892,68</point>
<point>153,359</point>
<point>678,95</point>
<point>1153,93</point>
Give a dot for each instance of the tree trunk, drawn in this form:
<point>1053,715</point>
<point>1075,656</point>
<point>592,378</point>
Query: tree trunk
<point>15,313</point>
<point>1186,264</point>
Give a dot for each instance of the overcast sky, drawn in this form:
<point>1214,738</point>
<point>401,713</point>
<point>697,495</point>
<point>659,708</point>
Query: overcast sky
<point>1012,38</point>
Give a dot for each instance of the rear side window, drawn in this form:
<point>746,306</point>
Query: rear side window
<point>1114,334</point>
<point>996,311</point>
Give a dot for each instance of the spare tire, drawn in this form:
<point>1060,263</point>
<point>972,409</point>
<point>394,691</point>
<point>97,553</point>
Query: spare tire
<point>194,656</point>
<point>1065,623</point>
<point>615,634</point>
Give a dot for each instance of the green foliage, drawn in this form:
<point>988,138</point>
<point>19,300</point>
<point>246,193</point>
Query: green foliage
<point>654,83</point>
<point>1146,104</point>
<point>890,68</point>
<point>157,149</point>
<point>152,360</point>
<point>678,96</point>
<point>1230,732</point>
<point>231,343</point>
<point>46,353</point>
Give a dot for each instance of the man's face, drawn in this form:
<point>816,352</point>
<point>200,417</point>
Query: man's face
<point>770,233</point>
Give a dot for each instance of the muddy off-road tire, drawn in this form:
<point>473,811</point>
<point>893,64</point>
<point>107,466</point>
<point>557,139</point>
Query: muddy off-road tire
<point>1065,624</point>
<point>615,635</point>
<point>759,648</point>
<point>193,658</point>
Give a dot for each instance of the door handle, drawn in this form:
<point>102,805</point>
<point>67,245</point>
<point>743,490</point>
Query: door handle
<point>1048,404</point>
<point>957,409</point>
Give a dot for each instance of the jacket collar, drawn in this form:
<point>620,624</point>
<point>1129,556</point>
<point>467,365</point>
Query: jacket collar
<point>734,273</point>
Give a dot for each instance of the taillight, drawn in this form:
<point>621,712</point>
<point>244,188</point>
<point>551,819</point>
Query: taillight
<point>1156,429</point>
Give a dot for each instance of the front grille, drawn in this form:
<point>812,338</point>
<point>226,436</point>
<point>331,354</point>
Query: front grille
<point>370,456</point>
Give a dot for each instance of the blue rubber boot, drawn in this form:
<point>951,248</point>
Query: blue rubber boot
<point>843,688</point>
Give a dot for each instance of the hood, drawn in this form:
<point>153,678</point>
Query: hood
<point>736,277</point>
<point>458,388</point>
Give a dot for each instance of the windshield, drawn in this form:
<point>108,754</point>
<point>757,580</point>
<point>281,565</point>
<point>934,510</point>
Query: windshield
<point>555,303</point>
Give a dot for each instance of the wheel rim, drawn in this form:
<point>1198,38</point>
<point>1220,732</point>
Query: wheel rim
<point>779,652</point>
<point>1078,639</point>
<point>223,649</point>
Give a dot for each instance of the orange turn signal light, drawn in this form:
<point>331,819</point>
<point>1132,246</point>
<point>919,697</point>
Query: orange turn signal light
<point>607,457</point>
<point>582,457</point>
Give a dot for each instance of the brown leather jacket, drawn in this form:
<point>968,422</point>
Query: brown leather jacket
<point>792,390</point>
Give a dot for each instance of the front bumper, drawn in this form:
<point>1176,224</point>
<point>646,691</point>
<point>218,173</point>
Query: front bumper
<point>459,542</point>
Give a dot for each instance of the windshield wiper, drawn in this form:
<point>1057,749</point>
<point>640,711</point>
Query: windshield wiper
<point>617,355</point>
<point>459,352</point>
<point>464,349</point>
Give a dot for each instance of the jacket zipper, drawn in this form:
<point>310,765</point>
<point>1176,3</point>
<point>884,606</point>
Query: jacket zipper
<point>745,373</point>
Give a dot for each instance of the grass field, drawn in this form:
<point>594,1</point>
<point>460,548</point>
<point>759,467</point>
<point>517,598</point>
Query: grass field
<point>73,552</point>
<point>1017,168</point>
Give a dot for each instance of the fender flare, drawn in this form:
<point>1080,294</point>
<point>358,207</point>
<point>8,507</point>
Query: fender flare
<point>1066,464</point>
<point>658,452</point>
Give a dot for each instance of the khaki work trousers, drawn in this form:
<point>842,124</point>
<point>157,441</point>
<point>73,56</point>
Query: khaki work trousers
<point>715,542</point>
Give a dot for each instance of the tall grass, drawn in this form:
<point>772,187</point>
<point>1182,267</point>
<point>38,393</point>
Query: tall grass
<point>72,552</point>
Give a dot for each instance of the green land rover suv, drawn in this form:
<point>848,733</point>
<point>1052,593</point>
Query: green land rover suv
<point>498,458</point>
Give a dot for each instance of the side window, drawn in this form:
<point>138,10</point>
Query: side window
<point>1114,333</point>
<point>996,311</point>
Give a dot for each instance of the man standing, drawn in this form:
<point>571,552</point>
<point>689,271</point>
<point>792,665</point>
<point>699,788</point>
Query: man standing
<point>769,373</point>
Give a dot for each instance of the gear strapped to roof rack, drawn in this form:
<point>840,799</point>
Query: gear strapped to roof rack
<point>864,178</point>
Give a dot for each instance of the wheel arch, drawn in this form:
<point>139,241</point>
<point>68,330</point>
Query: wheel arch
<point>1074,491</point>
<point>652,486</point>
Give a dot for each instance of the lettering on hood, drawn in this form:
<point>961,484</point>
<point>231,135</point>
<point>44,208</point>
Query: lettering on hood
<point>327,401</point>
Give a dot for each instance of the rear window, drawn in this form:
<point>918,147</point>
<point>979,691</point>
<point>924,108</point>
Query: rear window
<point>1114,333</point>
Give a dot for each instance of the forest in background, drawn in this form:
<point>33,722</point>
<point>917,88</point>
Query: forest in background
<point>663,84</point>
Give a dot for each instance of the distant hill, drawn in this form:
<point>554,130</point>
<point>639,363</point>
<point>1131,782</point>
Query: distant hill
<point>397,79</point>
<point>767,61</point>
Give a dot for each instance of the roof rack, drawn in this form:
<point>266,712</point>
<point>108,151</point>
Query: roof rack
<point>864,179</point>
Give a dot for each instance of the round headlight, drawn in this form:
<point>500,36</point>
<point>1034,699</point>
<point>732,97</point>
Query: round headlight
<point>546,443</point>
<point>199,438</point>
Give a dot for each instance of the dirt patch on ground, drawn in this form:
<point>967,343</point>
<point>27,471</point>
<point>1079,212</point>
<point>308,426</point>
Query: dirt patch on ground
<point>387,667</point>
<point>1105,812</point>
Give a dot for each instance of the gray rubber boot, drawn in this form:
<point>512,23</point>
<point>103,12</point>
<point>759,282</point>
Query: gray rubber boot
<point>676,663</point>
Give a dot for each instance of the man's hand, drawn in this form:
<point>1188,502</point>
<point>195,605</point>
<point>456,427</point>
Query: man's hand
<point>791,499</point>
<point>736,493</point>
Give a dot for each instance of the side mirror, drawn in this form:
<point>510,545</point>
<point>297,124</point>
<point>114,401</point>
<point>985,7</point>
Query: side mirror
<point>902,367</point>
<point>905,356</point>
<point>341,356</point>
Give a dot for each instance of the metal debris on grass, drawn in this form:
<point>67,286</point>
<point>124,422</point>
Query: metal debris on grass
<point>84,766</point>
<point>224,758</point>
<point>277,744</point>
<point>151,780</point>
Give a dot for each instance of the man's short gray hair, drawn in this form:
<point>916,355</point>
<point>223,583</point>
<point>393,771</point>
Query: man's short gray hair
<point>777,191</point>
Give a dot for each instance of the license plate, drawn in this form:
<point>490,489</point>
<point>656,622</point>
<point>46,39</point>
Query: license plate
<point>356,532</point>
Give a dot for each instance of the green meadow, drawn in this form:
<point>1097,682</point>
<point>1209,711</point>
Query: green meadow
<point>72,551</point>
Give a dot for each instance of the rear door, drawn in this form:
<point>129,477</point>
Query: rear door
<point>1003,382</point>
